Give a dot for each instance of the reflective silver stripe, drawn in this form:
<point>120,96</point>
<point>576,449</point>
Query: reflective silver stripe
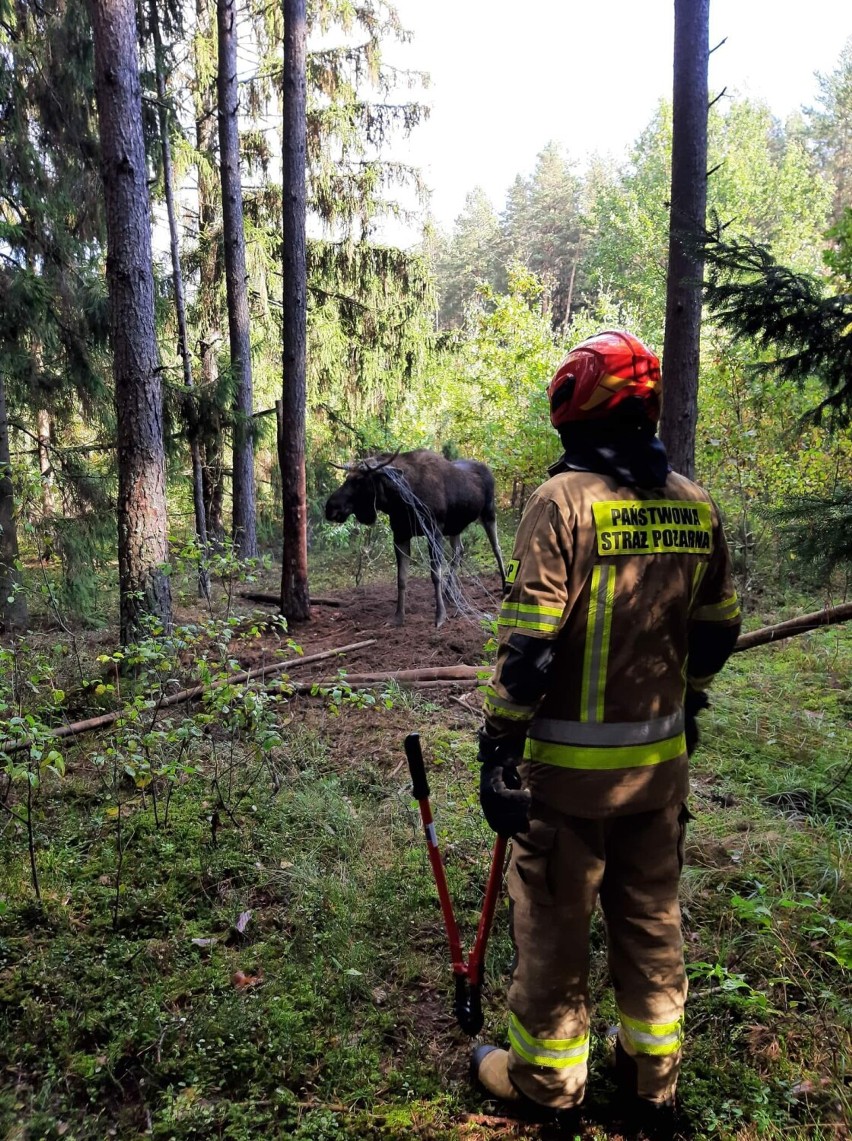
<point>508,709</point>
<point>640,1038</point>
<point>557,1053</point>
<point>607,733</point>
<point>659,1039</point>
<point>597,643</point>
<point>527,615</point>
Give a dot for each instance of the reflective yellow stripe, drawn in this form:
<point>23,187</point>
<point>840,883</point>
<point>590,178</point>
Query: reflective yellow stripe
<point>605,636</point>
<point>531,608</point>
<point>596,652</point>
<point>612,757</point>
<point>719,611</point>
<point>554,1052</point>
<point>517,624</point>
<point>654,1038</point>
<point>697,578</point>
<point>657,1029</point>
<point>494,704</point>
<point>527,616</point>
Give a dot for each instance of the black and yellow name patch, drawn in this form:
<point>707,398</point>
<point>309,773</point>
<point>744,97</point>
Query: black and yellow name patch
<point>653,526</point>
<point>512,568</point>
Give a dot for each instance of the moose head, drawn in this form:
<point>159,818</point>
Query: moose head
<point>361,493</point>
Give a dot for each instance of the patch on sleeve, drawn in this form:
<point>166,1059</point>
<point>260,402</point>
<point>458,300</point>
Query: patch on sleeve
<point>514,565</point>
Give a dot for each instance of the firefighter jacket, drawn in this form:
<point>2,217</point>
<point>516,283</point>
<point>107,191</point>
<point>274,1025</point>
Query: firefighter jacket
<point>616,597</point>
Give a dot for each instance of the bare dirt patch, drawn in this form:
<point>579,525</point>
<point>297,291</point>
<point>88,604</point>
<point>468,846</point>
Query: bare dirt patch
<point>352,735</point>
<point>368,612</point>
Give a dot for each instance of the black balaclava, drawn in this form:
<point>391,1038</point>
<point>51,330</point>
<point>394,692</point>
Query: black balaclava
<point>627,449</point>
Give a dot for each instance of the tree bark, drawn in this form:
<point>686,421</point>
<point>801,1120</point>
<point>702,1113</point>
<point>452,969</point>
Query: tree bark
<point>142,525</point>
<point>295,595</point>
<point>209,278</point>
<point>48,498</point>
<point>687,217</point>
<point>13,602</point>
<point>180,306</point>
<point>244,531</point>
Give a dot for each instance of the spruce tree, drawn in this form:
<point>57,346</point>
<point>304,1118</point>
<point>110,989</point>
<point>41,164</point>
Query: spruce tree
<point>53,320</point>
<point>800,331</point>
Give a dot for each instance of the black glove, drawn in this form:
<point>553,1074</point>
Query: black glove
<point>505,804</point>
<point>694,702</point>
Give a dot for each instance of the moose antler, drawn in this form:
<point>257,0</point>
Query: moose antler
<point>370,464</point>
<point>374,465</point>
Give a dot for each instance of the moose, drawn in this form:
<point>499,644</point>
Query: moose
<point>422,493</point>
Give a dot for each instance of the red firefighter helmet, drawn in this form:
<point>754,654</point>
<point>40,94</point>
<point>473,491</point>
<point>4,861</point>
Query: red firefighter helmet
<point>600,374</point>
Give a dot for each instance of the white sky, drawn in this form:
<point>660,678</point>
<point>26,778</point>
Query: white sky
<point>509,76</point>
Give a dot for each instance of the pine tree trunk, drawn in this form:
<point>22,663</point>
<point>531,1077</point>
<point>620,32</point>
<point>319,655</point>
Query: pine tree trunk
<point>142,524</point>
<point>295,597</point>
<point>686,228</point>
<point>213,476</point>
<point>48,498</point>
<point>209,276</point>
<point>13,601</point>
<point>180,307</point>
<point>245,537</point>
<point>48,482</point>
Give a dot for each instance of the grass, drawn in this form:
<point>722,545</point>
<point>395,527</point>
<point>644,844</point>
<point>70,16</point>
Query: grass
<point>284,973</point>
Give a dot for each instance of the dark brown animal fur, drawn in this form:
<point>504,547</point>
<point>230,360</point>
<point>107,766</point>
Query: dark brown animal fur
<point>453,493</point>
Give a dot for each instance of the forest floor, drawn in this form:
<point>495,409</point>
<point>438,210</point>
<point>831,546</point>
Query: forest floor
<point>236,932</point>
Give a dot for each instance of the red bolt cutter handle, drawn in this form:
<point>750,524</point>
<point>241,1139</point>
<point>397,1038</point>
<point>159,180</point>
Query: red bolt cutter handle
<point>468,1001</point>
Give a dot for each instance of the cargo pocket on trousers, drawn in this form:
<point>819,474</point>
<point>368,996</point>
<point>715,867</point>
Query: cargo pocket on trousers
<point>533,862</point>
<point>684,816</point>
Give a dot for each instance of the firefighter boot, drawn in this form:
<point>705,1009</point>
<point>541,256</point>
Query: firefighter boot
<point>489,1066</point>
<point>650,1120</point>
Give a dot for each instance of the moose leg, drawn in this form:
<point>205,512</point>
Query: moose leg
<point>491,531</point>
<point>402,549</point>
<point>436,563</point>
<point>451,586</point>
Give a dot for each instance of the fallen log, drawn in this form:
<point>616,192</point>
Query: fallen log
<point>427,673</point>
<point>106,719</point>
<point>274,599</point>
<point>803,624</point>
<point>450,674</point>
<point>830,616</point>
<point>303,687</point>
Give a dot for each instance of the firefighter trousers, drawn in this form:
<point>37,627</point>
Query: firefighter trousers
<point>558,870</point>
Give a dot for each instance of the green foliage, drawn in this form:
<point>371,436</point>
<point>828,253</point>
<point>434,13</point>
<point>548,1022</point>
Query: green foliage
<point>469,260</point>
<point>238,933</point>
<point>828,130</point>
<point>485,394</point>
<point>376,298</point>
<point>788,312</point>
<point>818,530</point>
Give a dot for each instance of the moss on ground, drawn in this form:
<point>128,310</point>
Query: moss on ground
<point>270,960</point>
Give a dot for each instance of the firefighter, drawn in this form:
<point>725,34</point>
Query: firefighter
<point>620,608</point>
